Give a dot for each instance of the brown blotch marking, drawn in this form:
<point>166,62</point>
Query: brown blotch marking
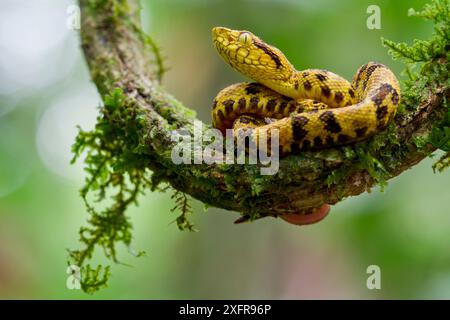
<point>331,125</point>
<point>220,114</point>
<point>254,103</point>
<point>305,74</point>
<point>318,142</point>
<point>296,85</point>
<point>369,72</point>
<point>321,77</point>
<point>338,97</point>
<point>241,104</point>
<point>326,91</point>
<point>271,104</point>
<point>361,71</point>
<point>395,97</point>
<point>381,125</point>
<point>383,90</point>
<point>377,100</point>
<point>253,88</point>
<point>298,124</point>
<point>381,113</point>
<point>343,138</point>
<point>269,52</point>
<point>307,85</point>
<point>351,93</point>
<point>214,104</point>
<point>292,107</point>
<point>360,132</point>
<point>228,105</point>
<point>244,120</point>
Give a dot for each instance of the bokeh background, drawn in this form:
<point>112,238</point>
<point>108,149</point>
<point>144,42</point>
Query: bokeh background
<point>45,91</point>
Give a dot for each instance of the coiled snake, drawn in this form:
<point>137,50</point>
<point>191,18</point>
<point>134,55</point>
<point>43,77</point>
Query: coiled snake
<point>312,108</point>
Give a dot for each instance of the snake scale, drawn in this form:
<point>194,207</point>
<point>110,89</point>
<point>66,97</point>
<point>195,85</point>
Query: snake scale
<point>312,109</point>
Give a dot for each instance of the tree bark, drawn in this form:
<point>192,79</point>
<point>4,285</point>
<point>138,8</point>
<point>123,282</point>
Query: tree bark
<point>119,55</point>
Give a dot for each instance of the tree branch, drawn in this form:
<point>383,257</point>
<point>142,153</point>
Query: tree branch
<point>120,55</point>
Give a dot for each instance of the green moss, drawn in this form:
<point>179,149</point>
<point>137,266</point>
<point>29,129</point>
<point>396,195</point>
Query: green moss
<point>156,50</point>
<point>425,71</point>
<point>428,68</point>
<point>117,151</point>
<point>119,8</point>
<point>430,61</point>
<point>182,205</point>
<point>115,171</point>
<point>95,5</point>
<point>443,163</point>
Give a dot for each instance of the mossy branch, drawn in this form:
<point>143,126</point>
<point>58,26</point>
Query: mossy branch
<point>130,149</point>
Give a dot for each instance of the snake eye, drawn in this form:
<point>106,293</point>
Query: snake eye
<point>245,38</point>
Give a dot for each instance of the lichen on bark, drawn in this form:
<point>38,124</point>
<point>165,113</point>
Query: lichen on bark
<point>129,151</point>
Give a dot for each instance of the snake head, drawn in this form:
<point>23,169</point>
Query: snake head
<point>251,56</point>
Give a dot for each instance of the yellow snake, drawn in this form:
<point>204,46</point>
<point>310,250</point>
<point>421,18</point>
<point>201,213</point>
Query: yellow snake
<point>312,108</point>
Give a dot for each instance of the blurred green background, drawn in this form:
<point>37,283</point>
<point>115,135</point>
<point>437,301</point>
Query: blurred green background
<point>45,91</point>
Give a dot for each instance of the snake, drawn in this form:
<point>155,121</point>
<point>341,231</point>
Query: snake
<point>311,109</point>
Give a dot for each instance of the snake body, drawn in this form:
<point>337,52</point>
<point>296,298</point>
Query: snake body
<point>311,109</point>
